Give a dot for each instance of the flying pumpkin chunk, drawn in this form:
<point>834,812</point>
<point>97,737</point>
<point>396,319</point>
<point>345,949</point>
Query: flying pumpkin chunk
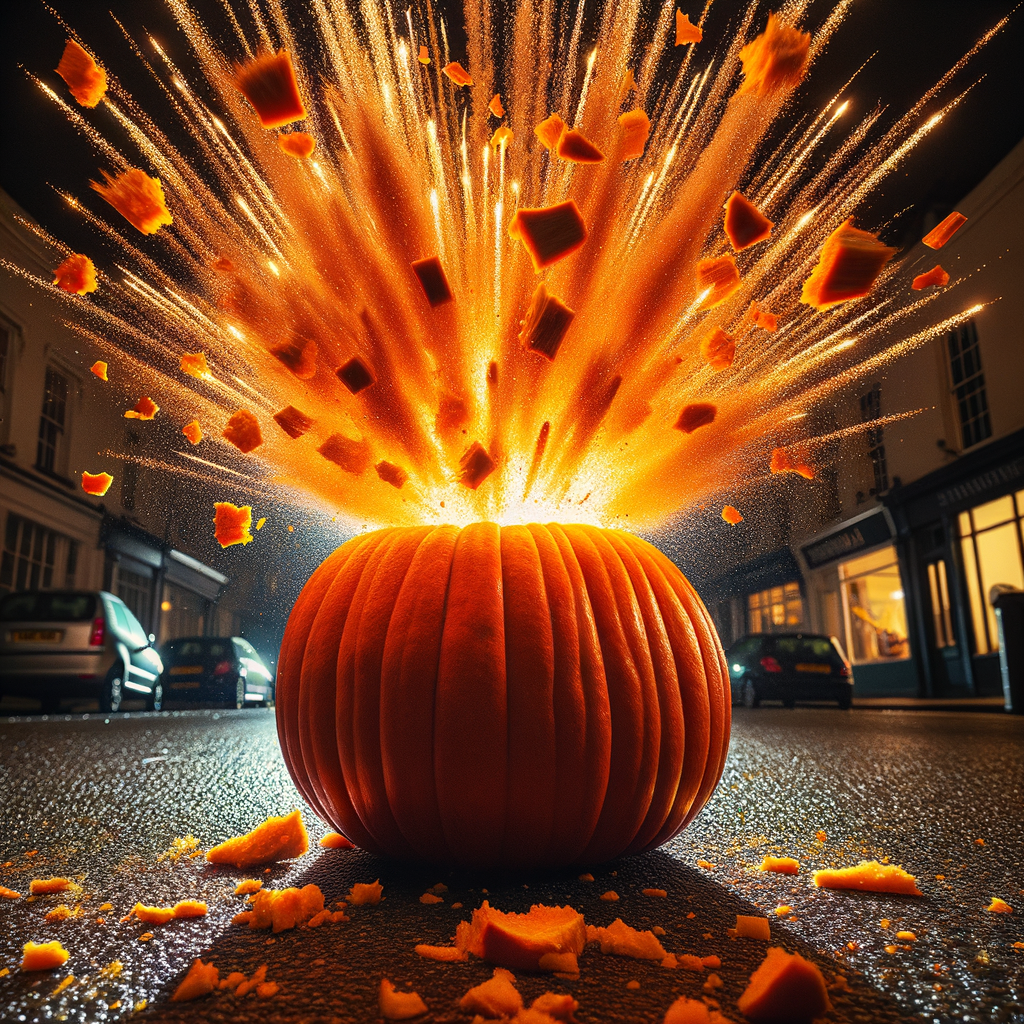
<point>458,74</point>
<point>145,409</point>
<point>391,474</point>
<point>268,83</point>
<point>696,414</point>
<point>243,431</point>
<point>549,131</point>
<point>195,365</point>
<point>76,275</point>
<point>231,523</point>
<point>137,197</point>
<point>502,137</point>
<point>718,349</point>
<point>476,466</point>
<point>433,280</point>
<point>99,368</point>
<point>935,277</point>
<point>495,106</point>
<point>942,233</point>
<point>352,456</point>
<point>356,375</point>
<point>96,483</point>
<point>547,322</point>
<point>297,144</point>
<point>783,462</point>
<point>85,78</point>
<point>576,148</point>
<point>549,233</point>
<point>686,31</point>
<point>293,422</point>
<point>721,275</point>
<point>762,318</point>
<point>850,263</point>
<point>745,225</point>
<point>775,60</point>
<point>299,355</point>
<point>732,515</point>
<point>634,128</point>
<point>193,432</point>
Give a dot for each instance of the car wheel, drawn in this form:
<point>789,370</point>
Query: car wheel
<point>749,695</point>
<point>111,694</point>
<point>156,698</point>
<point>846,702</point>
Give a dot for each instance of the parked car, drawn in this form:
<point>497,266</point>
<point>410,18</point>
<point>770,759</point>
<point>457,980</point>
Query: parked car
<point>789,667</point>
<point>61,644</point>
<point>212,671</point>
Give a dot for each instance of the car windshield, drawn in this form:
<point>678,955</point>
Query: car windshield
<point>804,646</point>
<point>48,606</point>
<point>179,649</point>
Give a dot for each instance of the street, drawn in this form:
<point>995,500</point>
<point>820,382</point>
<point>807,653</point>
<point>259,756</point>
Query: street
<point>940,793</point>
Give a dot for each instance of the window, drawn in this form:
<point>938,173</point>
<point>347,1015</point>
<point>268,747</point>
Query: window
<point>871,409</point>
<point>939,590</point>
<point>136,591</point>
<point>51,422</point>
<point>968,385</point>
<point>30,553</point>
<point>873,607</point>
<point>990,541</point>
<point>776,610</point>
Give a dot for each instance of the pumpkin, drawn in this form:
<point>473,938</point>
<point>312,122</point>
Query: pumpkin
<point>518,696</point>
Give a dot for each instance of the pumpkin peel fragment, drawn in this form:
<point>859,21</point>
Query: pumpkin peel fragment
<point>96,483</point>
<point>549,233</point>
<point>137,197</point>
<point>519,941</point>
<point>784,988</point>
<point>848,267</point>
<point>83,76</point>
<point>775,60</point>
<point>942,233</point>
<point>936,277</point>
<point>268,82</point>
<point>686,31</point>
<point>76,275</point>
<point>278,838</point>
<point>869,876</point>
<point>43,956</point>
<point>634,129</point>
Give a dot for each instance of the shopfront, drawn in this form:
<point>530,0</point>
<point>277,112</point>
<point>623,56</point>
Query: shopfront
<point>856,593</point>
<point>961,530</point>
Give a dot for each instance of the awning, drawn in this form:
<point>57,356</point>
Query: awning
<point>190,573</point>
<point>772,569</point>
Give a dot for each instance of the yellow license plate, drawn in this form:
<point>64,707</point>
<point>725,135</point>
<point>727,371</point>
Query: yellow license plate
<point>825,670</point>
<point>185,686</point>
<point>186,670</point>
<point>38,636</point>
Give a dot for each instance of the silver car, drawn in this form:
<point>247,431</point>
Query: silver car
<point>62,644</point>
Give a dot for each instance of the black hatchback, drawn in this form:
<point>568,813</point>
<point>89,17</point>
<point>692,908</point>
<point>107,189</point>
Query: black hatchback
<point>789,667</point>
<point>224,672</point>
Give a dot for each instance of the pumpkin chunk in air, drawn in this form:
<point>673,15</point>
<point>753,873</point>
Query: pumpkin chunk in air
<point>502,137</point>
<point>352,456</point>
<point>719,274</point>
<point>356,375</point>
<point>547,322</point>
<point>268,82</point>
<point>145,409</point>
<point>733,517</point>
<point>783,461</point>
<point>195,365</point>
<point>575,147</point>
<point>696,414</point>
<point>745,224</point>
<point>942,233</point>
<point>458,74</point>
<point>763,318</point>
<point>76,275</point>
<point>495,106</point>
<point>519,941</point>
<point>232,523</point>
<point>396,1005</point>
<point>634,128</point>
<point>718,349</point>
<point>137,197</point>
<point>243,431</point>
<point>433,280</point>
<point>293,422</point>
<point>84,77</point>
<point>686,31</point>
<point>391,474</point>
<point>776,59</point>
<point>43,956</point>
<point>278,838</point>
<point>424,56</point>
<point>200,981</point>
<point>193,431</point>
<point>99,369</point>
<point>475,466</point>
<point>297,144</point>
<point>936,277</point>
<point>299,355</point>
<point>850,263</point>
<point>549,233</point>
<point>96,483</point>
<point>785,989</point>
<point>869,876</point>
<point>549,131</point>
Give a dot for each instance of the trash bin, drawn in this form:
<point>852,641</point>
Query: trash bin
<point>1008,603</point>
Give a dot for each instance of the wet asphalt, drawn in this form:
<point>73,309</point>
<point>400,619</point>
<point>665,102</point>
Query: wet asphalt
<point>100,798</point>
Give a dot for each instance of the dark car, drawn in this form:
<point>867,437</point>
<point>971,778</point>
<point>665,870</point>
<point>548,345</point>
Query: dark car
<point>789,667</point>
<point>74,644</point>
<point>211,671</point>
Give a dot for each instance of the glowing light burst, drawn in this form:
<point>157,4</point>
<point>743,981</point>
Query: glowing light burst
<point>270,255</point>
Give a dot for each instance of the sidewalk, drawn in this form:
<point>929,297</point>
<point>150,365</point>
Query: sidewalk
<point>930,703</point>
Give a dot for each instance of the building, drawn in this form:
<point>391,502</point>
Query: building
<point>895,546</point>
<point>58,419</point>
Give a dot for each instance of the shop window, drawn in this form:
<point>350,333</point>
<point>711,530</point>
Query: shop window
<point>968,385</point>
<point>938,589</point>
<point>136,591</point>
<point>871,409</point>
<point>776,610</point>
<point>29,555</point>
<point>51,422</point>
<point>874,607</point>
<point>182,613</point>
<point>991,543</point>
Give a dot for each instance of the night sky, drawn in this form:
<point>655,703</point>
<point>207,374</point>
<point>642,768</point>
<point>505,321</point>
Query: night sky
<point>914,42</point>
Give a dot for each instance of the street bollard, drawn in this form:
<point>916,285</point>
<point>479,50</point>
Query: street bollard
<point>1008,603</point>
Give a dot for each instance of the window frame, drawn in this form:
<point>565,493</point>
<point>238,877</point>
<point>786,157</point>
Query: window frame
<point>967,384</point>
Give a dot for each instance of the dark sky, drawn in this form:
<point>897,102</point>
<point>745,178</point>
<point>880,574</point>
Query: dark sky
<point>916,42</point>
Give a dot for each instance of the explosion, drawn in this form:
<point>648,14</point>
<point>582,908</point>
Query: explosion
<point>517,282</point>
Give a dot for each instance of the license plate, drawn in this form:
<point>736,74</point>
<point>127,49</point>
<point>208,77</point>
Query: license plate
<point>185,686</point>
<point>825,670</point>
<point>38,636</point>
<point>186,670</point>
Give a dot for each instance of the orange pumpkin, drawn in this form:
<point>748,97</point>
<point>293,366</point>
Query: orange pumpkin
<point>518,696</point>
